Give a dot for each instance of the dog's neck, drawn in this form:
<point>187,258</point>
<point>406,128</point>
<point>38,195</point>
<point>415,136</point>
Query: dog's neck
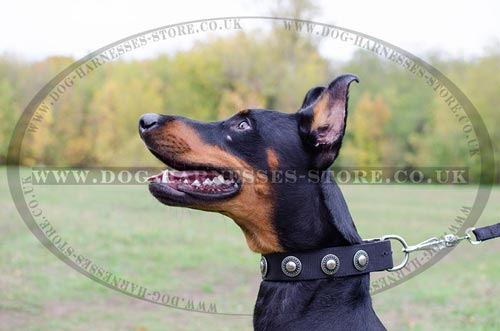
<point>326,304</point>
<point>316,217</point>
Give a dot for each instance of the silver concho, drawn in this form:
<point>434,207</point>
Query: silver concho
<point>291,266</point>
<point>360,260</point>
<point>263,266</point>
<point>330,264</point>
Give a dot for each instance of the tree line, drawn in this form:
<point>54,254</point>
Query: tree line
<point>394,118</point>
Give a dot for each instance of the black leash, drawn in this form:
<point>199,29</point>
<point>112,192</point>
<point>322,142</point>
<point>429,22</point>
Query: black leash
<point>487,232</point>
<point>369,256</point>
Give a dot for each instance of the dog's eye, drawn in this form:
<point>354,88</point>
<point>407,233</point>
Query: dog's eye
<point>243,125</point>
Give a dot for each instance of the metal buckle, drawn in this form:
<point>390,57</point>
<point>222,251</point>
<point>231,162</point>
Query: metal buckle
<point>405,247</point>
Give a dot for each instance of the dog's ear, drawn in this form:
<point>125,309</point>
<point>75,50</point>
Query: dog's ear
<point>337,207</point>
<point>322,119</point>
<point>311,96</point>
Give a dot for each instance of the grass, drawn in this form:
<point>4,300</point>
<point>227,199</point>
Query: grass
<point>204,257</point>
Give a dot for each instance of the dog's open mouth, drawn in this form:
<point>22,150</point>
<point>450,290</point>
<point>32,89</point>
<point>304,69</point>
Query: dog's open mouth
<point>193,185</point>
<point>199,181</point>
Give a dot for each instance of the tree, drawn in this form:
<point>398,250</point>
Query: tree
<point>370,144</point>
<point>114,112</point>
<point>8,112</point>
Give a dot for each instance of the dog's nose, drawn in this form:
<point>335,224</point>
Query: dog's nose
<point>148,121</point>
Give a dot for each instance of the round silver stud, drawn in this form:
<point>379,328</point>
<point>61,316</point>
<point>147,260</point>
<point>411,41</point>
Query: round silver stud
<point>361,260</point>
<point>291,266</point>
<point>330,264</point>
<point>263,266</point>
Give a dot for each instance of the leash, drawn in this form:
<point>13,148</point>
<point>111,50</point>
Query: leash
<point>369,256</point>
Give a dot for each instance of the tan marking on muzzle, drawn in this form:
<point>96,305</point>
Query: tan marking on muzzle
<point>252,208</point>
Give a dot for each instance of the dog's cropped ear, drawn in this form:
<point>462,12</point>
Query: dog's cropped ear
<point>311,96</point>
<point>322,119</point>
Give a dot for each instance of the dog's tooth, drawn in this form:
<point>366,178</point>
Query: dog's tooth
<point>207,182</point>
<point>196,183</point>
<point>164,177</point>
<point>186,181</point>
<point>220,178</point>
<point>217,180</point>
<point>227,182</point>
<point>235,185</point>
<point>158,180</point>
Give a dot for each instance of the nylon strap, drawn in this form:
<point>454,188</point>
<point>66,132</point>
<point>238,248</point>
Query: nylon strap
<point>379,258</point>
<point>487,232</point>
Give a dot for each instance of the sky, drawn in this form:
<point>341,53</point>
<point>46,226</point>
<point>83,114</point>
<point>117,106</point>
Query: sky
<point>33,29</point>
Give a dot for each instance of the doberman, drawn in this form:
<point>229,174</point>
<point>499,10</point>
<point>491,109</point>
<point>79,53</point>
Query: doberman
<point>228,167</point>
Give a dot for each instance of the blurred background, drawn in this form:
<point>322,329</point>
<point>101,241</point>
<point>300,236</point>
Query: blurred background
<point>395,119</point>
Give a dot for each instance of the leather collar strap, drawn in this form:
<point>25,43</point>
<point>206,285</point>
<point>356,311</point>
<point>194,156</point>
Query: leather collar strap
<point>334,262</point>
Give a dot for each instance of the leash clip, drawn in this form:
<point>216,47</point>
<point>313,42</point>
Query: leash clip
<point>431,244</point>
<point>436,244</point>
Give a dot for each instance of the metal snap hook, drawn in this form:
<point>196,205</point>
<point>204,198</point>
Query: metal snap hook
<point>468,236</point>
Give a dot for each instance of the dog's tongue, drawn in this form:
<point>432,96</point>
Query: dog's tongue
<point>194,180</point>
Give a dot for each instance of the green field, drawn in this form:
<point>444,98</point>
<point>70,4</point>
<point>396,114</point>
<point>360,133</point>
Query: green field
<point>203,257</point>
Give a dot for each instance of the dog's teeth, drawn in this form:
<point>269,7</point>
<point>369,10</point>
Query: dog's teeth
<point>158,180</point>
<point>186,181</point>
<point>164,177</point>
<point>207,182</point>
<point>196,183</point>
<point>220,178</point>
<point>227,182</point>
<point>217,180</point>
<point>235,185</point>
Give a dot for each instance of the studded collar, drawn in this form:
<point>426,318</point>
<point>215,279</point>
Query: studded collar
<point>333,262</point>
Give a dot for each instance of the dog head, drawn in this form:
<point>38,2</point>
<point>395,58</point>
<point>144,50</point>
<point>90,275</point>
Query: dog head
<point>249,166</point>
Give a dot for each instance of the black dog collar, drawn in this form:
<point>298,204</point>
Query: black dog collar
<point>333,262</point>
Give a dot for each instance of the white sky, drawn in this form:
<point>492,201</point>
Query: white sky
<point>34,29</point>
